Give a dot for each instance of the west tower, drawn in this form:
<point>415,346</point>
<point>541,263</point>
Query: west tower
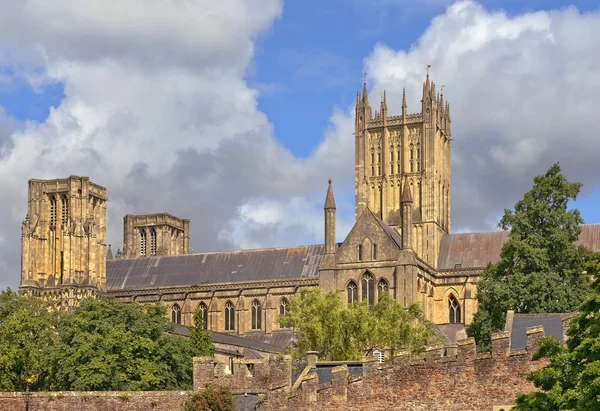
<point>63,241</point>
<point>412,149</point>
<point>150,235</point>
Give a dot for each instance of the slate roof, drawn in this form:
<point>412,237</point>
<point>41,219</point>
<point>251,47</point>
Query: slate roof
<point>449,332</point>
<point>476,250</point>
<point>208,268</point>
<point>552,324</point>
<point>280,339</point>
<point>232,339</point>
<point>458,251</point>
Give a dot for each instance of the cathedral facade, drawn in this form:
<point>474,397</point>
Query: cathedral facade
<point>400,243</point>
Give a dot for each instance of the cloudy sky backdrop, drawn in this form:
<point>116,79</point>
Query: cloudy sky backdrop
<point>234,113</point>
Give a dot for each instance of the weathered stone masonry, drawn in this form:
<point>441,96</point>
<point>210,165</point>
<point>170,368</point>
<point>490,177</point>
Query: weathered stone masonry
<point>448,378</point>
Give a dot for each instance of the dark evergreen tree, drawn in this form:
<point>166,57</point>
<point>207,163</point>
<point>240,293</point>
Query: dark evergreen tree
<point>541,267</point>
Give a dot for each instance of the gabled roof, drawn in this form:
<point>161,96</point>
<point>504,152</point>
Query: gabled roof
<point>552,324</point>
<point>393,234</point>
<point>231,339</point>
<point>477,250</point>
<point>207,268</point>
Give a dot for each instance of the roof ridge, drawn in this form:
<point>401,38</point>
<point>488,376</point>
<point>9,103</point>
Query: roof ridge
<point>243,250</point>
<point>506,231</point>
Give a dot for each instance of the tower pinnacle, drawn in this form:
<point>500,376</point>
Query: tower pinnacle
<point>329,200</point>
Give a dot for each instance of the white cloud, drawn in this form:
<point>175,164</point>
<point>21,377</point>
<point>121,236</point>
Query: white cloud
<point>522,90</point>
<point>158,110</point>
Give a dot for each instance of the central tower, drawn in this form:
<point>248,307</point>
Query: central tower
<point>412,149</point>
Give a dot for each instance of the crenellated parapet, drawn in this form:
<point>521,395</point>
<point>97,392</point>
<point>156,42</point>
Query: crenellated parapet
<point>449,377</point>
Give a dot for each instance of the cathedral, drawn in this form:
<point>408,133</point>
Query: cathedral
<point>401,241</point>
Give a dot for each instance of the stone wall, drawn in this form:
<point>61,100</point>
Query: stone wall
<point>448,378</point>
<point>94,401</point>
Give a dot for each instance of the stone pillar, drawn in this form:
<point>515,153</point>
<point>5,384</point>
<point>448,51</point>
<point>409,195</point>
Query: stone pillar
<point>534,335</point>
<point>339,383</point>
<point>204,372</point>
<point>500,343</point>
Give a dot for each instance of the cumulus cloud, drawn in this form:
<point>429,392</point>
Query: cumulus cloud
<point>156,108</point>
<point>522,90</point>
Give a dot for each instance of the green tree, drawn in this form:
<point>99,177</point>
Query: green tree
<point>27,330</point>
<point>541,267</point>
<point>212,398</point>
<point>201,339</point>
<point>322,324</point>
<point>105,345</point>
<point>572,379</point>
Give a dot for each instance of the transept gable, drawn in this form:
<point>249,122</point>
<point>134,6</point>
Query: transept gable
<point>370,239</point>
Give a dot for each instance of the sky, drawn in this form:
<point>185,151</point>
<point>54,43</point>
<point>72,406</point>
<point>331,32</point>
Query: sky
<point>235,113</point>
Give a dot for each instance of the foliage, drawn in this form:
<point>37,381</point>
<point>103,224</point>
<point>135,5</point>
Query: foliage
<point>541,267</point>
<point>212,398</point>
<point>572,379</point>
<point>27,328</point>
<point>105,345</point>
<point>102,345</point>
<point>201,339</point>
<point>322,324</point>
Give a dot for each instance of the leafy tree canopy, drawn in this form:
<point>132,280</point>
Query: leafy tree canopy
<point>541,267</point>
<point>102,345</point>
<point>27,328</point>
<point>572,379</point>
<point>322,324</point>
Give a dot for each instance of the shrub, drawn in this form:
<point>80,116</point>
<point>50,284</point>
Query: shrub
<point>212,398</point>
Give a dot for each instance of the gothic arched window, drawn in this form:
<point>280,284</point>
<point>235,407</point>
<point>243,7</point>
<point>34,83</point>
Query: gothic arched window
<point>65,209</point>
<point>352,291</point>
<point>453,309</point>
<point>256,315</point>
<point>143,242</point>
<point>382,287</point>
<point>283,307</point>
<point>176,314</point>
<point>229,316</point>
<point>368,288</point>
<point>359,252</point>
<point>374,251</point>
<point>203,315</point>
<point>152,241</point>
<point>52,211</point>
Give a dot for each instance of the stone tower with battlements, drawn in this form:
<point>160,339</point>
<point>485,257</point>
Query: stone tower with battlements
<point>150,235</point>
<point>63,241</point>
<point>408,148</point>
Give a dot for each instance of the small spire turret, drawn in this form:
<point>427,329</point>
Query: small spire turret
<point>365,95</point>
<point>329,200</point>
<point>330,247</point>
<point>406,196</point>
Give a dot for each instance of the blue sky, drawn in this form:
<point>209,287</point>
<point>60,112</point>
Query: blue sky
<point>313,59</point>
<point>235,113</point>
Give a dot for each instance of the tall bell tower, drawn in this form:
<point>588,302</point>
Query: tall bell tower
<point>63,241</point>
<point>413,149</point>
